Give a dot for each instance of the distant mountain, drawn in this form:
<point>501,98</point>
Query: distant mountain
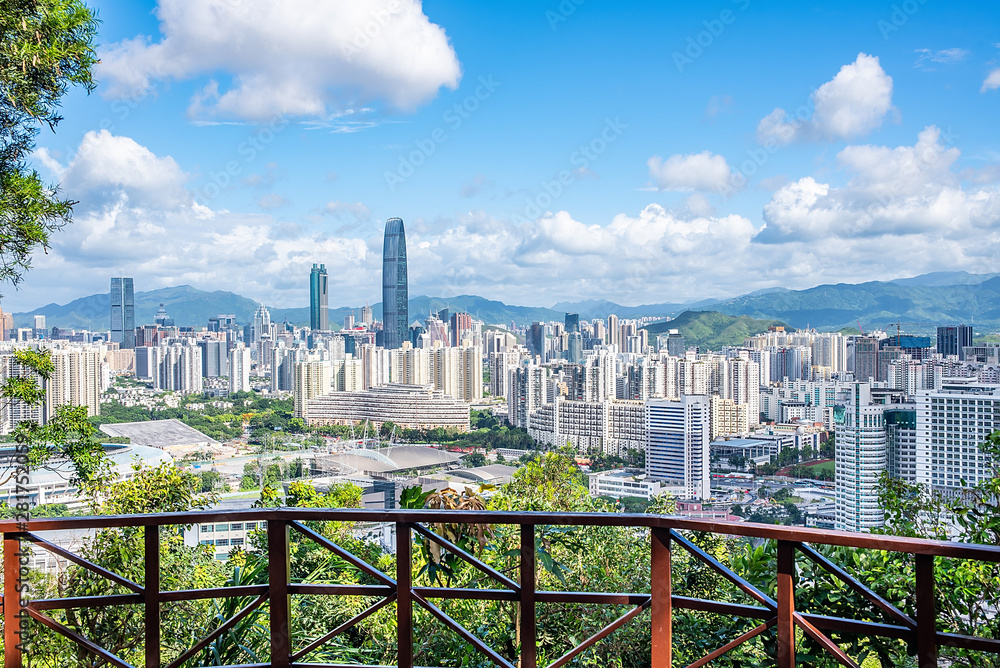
<point>877,305</point>
<point>919,303</point>
<point>602,308</point>
<point>489,311</point>
<point>711,330</point>
<point>939,278</point>
<point>190,307</point>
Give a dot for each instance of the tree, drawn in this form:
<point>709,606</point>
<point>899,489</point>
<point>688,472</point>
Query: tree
<point>67,434</point>
<point>48,47</point>
<point>475,459</point>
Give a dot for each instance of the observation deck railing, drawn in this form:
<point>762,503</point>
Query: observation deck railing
<point>665,538</point>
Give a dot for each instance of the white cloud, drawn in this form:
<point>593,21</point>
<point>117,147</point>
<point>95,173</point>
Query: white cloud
<point>695,171</point>
<point>307,58</point>
<point>992,81</point>
<point>894,192</point>
<point>850,105</point>
<point>903,210</point>
<point>105,163</point>
<point>926,57</point>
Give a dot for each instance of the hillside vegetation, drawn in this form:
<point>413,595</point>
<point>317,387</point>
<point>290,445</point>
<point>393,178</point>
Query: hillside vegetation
<point>710,330</point>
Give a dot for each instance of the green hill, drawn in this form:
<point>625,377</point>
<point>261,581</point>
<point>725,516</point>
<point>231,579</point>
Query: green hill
<point>710,330</point>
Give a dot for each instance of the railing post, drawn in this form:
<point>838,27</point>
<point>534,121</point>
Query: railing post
<point>12,632</point>
<point>404,603</point>
<point>786,604</point>
<point>529,633</point>
<point>278,574</point>
<point>151,596</point>
<point>927,650</point>
<point>662,592</point>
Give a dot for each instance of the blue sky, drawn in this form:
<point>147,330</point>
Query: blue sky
<point>537,151</point>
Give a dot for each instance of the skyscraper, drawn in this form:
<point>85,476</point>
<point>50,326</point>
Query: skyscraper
<point>677,437</point>
<point>395,296</point>
<point>572,322</point>
<point>952,340</point>
<point>123,312</point>
<point>319,305</point>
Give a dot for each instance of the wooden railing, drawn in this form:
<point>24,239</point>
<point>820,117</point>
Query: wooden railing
<point>19,615</point>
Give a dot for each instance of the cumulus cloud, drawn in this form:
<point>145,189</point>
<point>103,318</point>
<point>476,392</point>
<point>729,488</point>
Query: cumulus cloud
<point>850,105</point>
<point>992,81</point>
<point>304,58</point>
<point>696,171</point>
<point>902,210</point>
<point>902,191</point>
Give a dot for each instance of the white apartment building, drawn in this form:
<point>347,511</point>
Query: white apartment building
<point>621,482</point>
<point>677,443</point>
<point>951,424</point>
<point>862,457</point>
<point>239,368</point>
<point>313,378</point>
<point>614,426</point>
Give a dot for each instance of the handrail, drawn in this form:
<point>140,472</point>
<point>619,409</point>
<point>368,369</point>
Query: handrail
<point>780,611</point>
<point>935,548</point>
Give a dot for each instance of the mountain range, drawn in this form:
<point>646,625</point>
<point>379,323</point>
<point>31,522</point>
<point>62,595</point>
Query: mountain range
<point>918,303</point>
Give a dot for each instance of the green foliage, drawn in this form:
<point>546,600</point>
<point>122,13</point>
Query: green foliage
<point>712,330</point>
<point>551,482</point>
<point>67,434</point>
<point>46,47</point>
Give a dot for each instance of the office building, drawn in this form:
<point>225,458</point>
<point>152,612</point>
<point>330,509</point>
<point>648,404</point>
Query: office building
<point>677,443</point>
<point>40,332</point>
<point>461,327</point>
<point>123,312</point>
<point>952,340</point>
<point>214,358</point>
<point>319,304</point>
<point>395,291</point>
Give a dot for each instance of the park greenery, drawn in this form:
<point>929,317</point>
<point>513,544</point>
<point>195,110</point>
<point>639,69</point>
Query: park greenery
<point>570,558</point>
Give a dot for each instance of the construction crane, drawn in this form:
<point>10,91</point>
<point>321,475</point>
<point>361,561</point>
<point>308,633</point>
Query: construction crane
<point>860,328</point>
<point>912,324</point>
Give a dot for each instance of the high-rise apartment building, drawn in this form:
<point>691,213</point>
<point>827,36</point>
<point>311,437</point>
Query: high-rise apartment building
<point>865,359</point>
<point>677,443</point>
<point>461,326</point>
<point>395,291</point>
<point>312,379</point>
<point>239,368</point>
<point>319,304</point>
<point>952,423</point>
<point>862,456</point>
<point>123,312</point>
<point>952,340</point>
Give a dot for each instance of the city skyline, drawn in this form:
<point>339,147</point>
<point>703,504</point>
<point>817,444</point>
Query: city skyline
<point>676,169</point>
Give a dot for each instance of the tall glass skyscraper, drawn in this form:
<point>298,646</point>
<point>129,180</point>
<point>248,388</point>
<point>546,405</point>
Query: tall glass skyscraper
<point>395,295</point>
<point>123,312</point>
<point>319,305</point>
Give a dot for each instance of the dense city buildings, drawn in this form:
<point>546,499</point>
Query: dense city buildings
<point>319,304</point>
<point>395,293</point>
